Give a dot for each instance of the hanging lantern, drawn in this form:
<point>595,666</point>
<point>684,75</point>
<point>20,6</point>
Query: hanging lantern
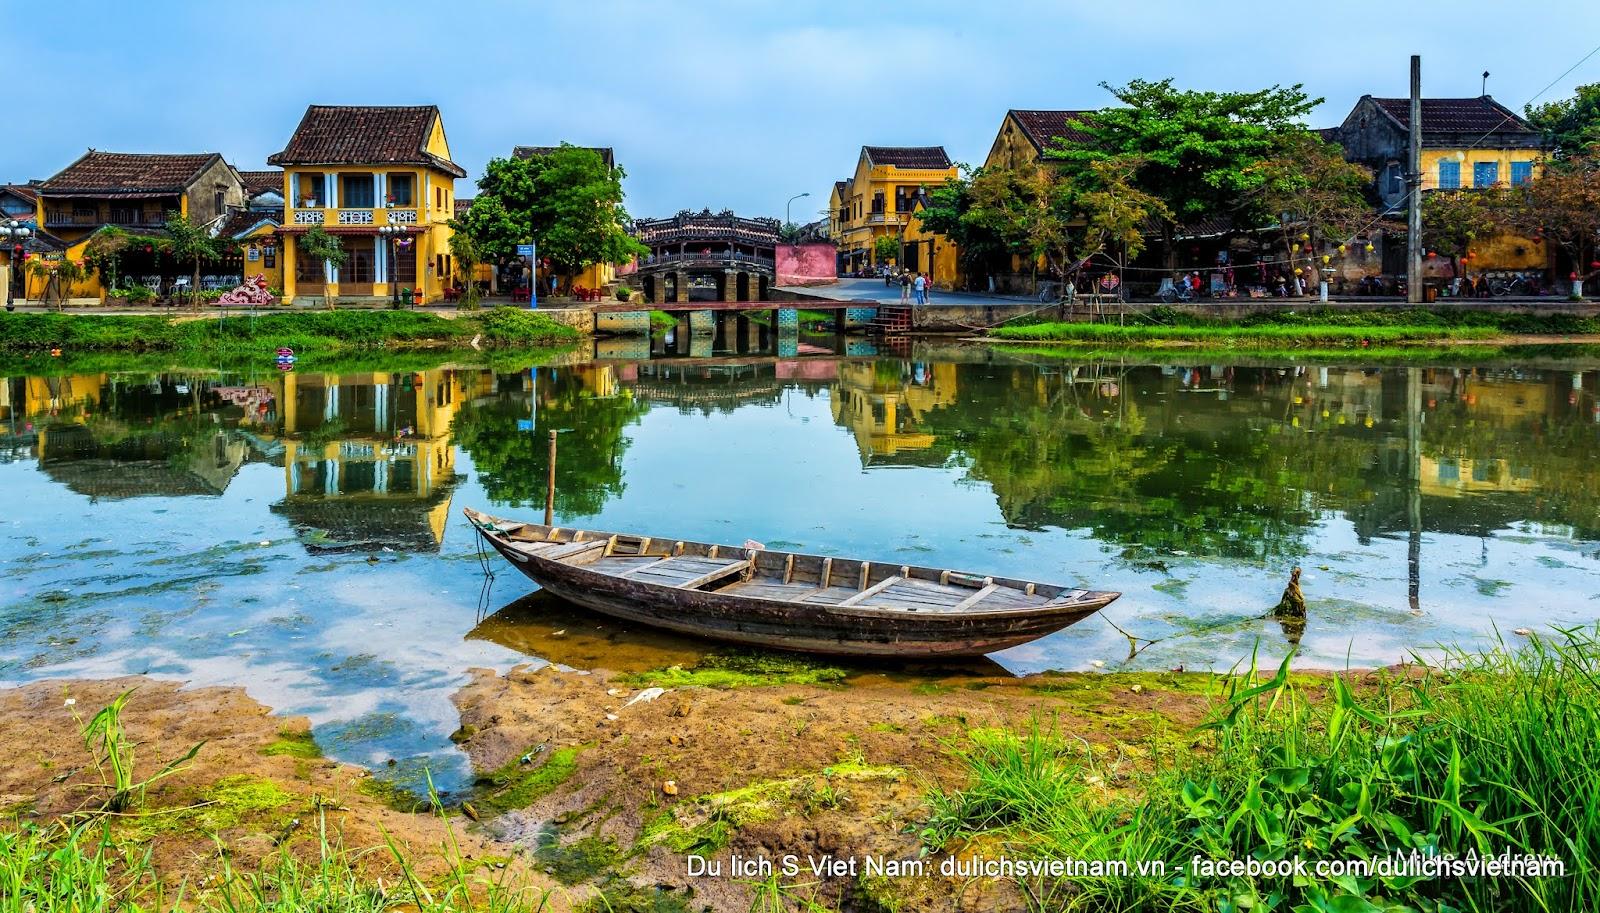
<point>1308,248</point>
<point>1305,237</point>
<point>1594,264</point>
<point>1369,247</point>
<point>1342,248</point>
<point>1326,258</point>
<point>1430,255</point>
<point>1298,271</point>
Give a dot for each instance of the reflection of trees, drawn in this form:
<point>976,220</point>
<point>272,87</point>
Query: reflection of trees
<point>1124,458</point>
<point>511,463</point>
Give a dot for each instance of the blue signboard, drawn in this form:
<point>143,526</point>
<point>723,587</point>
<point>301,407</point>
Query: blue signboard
<point>524,250</point>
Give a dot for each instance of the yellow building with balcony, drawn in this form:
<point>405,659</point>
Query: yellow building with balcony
<point>880,200</point>
<point>353,170</point>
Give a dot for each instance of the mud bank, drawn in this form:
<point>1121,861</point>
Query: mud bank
<point>603,783</point>
<point>658,784</point>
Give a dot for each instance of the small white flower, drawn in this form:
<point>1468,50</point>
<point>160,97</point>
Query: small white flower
<point>69,702</point>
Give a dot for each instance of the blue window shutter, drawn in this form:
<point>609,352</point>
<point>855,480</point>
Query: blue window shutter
<point>1485,174</point>
<point>1521,173</point>
<point>1449,174</point>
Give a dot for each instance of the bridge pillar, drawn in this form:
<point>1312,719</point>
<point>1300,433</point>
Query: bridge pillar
<point>658,289</point>
<point>730,285</point>
<point>683,287</point>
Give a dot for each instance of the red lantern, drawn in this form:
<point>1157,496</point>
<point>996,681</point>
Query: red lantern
<point>148,248</point>
<point>1594,264</point>
<point>1431,255</point>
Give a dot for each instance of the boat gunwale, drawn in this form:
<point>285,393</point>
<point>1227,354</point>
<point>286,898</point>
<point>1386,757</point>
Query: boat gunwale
<point>1088,602</point>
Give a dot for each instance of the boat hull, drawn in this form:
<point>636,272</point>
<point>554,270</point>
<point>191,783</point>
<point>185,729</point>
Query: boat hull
<point>785,625</point>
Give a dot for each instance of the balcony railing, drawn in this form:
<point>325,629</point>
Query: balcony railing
<point>355,216</point>
<point>715,256</point>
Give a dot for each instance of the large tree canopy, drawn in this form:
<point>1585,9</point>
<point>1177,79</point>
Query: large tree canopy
<point>568,202</point>
<point>1570,126</point>
<point>1198,149</point>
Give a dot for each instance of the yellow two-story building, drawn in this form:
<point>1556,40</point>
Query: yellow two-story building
<point>1467,144</point>
<point>880,200</point>
<point>354,171</point>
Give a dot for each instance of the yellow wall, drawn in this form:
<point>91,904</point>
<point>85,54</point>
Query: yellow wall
<point>258,267</point>
<point>433,200</point>
<point>1470,157</point>
<point>863,226</point>
<point>944,259</point>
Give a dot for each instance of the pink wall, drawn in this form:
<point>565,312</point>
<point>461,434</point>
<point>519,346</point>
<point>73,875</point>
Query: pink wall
<point>806,264</point>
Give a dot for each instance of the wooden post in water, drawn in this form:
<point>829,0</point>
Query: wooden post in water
<point>550,486</point>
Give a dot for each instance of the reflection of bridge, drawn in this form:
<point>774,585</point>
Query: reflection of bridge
<point>707,257</point>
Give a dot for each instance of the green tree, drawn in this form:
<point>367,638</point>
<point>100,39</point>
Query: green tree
<point>322,247</point>
<point>886,248</point>
<point>1453,219</point>
<point>1312,193</point>
<point>1570,126</point>
<point>1113,211</point>
<point>1199,149</point>
<point>189,242</point>
<point>59,276</point>
<point>568,202</point>
<point>467,257</point>
<point>1563,207</point>
<point>946,213</point>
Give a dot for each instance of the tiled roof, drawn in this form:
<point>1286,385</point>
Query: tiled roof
<point>1457,115</point>
<point>1327,134</point>
<point>24,191</point>
<point>365,135</point>
<point>922,157</point>
<point>240,221</point>
<point>462,205</point>
<point>121,172</point>
<point>527,152</point>
<point>1042,127</point>
<point>841,188</point>
<point>258,182</point>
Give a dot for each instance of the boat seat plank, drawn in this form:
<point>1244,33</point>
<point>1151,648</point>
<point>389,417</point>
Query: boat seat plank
<point>732,567</point>
<point>572,549</point>
<point>975,598</point>
<point>828,595</point>
<point>873,590</point>
<point>651,566</point>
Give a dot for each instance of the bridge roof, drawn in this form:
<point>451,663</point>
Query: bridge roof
<point>706,226</point>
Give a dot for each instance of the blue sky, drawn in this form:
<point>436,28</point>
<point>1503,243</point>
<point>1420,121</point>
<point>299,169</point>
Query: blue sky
<point>721,103</point>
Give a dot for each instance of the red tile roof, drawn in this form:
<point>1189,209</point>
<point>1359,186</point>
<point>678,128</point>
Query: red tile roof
<point>258,182</point>
<point>240,221</point>
<point>116,173</point>
<point>462,205</point>
<point>1042,127</point>
<point>908,156</point>
<point>1457,115</point>
<point>365,135</point>
<point>25,191</point>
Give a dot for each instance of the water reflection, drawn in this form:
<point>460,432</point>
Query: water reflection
<point>295,533</point>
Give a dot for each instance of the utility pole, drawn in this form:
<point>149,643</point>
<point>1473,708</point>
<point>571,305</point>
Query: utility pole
<point>1414,188</point>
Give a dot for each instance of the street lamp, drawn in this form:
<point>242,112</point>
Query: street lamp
<point>786,206</point>
<point>392,234</point>
<point>17,234</point>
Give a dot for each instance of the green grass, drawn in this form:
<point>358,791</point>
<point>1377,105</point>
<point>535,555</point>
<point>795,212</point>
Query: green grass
<point>57,869</point>
<point>1489,752</point>
<point>738,670</point>
<point>661,320</point>
<point>310,333</point>
<point>518,785</point>
<point>1299,330</point>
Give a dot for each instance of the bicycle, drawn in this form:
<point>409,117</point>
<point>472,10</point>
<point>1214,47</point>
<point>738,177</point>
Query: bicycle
<point>1500,287</point>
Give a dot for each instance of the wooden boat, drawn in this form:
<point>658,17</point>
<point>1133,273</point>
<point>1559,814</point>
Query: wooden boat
<point>784,600</point>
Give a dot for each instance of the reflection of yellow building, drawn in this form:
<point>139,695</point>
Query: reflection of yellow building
<point>883,413</point>
<point>1450,477</point>
<point>353,170</point>
<point>880,200</point>
<point>366,455</point>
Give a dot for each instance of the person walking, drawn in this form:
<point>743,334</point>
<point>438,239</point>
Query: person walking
<point>919,290</point>
<point>905,287</point>
<point>927,288</point>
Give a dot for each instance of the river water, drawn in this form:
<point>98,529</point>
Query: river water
<point>299,534</point>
